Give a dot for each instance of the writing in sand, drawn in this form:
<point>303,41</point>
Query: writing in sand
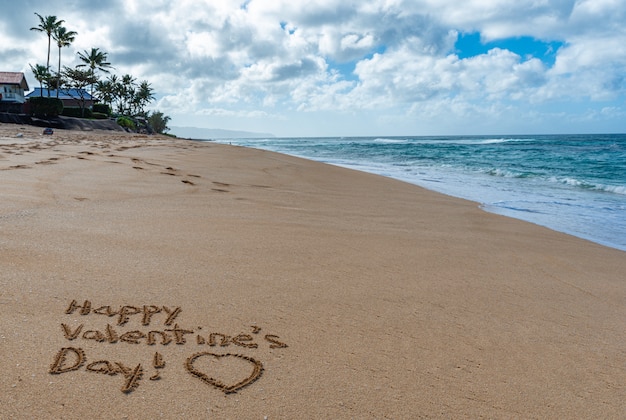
<point>203,365</point>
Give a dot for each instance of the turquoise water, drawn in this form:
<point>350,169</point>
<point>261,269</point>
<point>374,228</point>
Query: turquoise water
<point>570,183</point>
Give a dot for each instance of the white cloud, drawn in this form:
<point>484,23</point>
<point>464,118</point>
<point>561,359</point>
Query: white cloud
<point>395,57</point>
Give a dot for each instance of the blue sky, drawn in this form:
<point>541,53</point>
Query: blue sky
<point>470,45</point>
<point>342,67</point>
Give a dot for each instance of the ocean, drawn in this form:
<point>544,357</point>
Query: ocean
<point>574,184</point>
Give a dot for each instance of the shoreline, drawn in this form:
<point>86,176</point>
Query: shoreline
<point>548,222</point>
<point>145,276</point>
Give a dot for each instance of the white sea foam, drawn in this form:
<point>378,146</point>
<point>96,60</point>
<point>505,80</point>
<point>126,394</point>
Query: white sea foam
<point>616,189</point>
<point>573,182</point>
<point>504,173</point>
<point>390,141</point>
<point>495,141</point>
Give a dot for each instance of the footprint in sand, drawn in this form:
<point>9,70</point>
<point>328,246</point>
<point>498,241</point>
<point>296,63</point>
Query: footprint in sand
<point>123,148</point>
<point>141,161</point>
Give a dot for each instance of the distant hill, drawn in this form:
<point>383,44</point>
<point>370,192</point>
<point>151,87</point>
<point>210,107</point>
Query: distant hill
<point>214,133</point>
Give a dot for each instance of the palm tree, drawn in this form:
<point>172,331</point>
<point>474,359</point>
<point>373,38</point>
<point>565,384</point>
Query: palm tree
<point>113,90</point>
<point>110,91</point>
<point>143,96</point>
<point>48,25</point>
<point>105,91</point>
<point>125,90</point>
<point>95,60</point>
<point>64,38</point>
<point>41,74</point>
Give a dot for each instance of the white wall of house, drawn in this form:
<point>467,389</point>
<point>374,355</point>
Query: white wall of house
<point>12,93</point>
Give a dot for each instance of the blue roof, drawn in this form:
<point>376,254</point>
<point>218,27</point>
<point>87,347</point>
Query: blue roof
<point>63,93</point>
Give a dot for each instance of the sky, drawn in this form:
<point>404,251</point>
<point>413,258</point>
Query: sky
<point>352,68</point>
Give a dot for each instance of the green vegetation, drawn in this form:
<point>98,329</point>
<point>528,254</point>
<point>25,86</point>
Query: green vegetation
<point>63,38</point>
<point>99,116</point>
<point>95,60</point>
<point>158,122</point>
<point>77,112</point>
<point>42,106</point>
<point>47,25</point>
<point>101,109</point>
<point>79,79</point>
<point>126,122</point>
<point>41,74</point>
<point>124,94</point>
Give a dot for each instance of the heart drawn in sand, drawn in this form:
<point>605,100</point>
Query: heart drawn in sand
<point>229,358</point>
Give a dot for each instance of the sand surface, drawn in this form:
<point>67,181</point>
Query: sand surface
<point>145,277</point>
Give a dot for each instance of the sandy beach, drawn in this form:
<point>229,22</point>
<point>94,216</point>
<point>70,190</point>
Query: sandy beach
<point>147,277</point>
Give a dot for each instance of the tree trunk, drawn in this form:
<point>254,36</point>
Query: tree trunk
<point>59,74</point>
<point>48,65</point>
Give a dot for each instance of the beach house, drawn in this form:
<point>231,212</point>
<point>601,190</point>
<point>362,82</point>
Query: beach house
<point>70,97</point>
<point>12,88</point>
